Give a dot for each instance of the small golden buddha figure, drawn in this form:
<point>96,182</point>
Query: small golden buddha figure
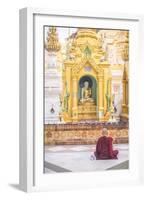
<point>86,93</point>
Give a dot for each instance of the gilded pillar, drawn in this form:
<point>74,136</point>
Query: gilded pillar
<point>74,99</point>
<point>68,80</point>
<point>125,94</point>
<point>125,58</point>
<point>110,86</point>
<point>105,92</point>
<point>101,97</point>
<point>109,92</point>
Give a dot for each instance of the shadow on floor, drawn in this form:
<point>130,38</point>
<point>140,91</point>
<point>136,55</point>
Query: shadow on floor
<point>123,165</point>
<point>15,186</point>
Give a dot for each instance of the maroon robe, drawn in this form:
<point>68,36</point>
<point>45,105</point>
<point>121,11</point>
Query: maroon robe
<point>104,149</point>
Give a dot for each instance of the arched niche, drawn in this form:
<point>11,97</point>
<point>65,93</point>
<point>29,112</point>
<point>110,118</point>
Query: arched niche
<point>92,84</point>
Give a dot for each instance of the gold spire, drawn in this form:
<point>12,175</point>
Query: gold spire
<point>52,43</point>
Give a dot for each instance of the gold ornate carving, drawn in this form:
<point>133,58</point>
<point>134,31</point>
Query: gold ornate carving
<point>52,43</point>
<point>85,59</point>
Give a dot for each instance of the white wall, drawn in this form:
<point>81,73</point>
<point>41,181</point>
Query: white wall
<point>9,38</point>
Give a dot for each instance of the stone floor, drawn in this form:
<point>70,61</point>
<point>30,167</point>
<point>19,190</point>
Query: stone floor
<point>77,158</point>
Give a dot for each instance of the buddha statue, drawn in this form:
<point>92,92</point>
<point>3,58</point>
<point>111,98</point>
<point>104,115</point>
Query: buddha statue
<point>86,94</point>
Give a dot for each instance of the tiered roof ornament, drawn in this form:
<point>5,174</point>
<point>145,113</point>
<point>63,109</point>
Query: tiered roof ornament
<point>52,43</point>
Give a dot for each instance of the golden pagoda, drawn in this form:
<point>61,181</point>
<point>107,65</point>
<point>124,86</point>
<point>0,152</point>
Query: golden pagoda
<point>86,79</point>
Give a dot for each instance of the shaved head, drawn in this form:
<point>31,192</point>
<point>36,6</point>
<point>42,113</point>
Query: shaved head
<point>104,131</point>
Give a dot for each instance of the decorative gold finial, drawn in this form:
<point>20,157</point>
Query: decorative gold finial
<point>52,43</point>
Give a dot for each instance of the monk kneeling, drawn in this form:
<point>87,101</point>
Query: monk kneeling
<point>104,147</point>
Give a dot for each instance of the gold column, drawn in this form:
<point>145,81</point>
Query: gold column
<point>110,86</point>
<point>125,57</point>
<point>97,108</point>
<point>68,80</point>
<point>75,100</point>
<point>101,97</point>
<point>124,92</point>
<point>107,88</point>
<point>105,91</point>
<point>125,97</point>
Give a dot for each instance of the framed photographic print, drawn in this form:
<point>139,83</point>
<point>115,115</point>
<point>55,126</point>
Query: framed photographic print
<point>80,123</point>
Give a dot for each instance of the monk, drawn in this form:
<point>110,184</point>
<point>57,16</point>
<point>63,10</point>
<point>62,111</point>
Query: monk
<point>104,147</point>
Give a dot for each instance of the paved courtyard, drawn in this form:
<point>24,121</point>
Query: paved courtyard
<point>77,158</point>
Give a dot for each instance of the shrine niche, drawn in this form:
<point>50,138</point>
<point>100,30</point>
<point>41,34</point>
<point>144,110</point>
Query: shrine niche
<point>87,90</point>
<point>85,77</point>
<point>87,98</point>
